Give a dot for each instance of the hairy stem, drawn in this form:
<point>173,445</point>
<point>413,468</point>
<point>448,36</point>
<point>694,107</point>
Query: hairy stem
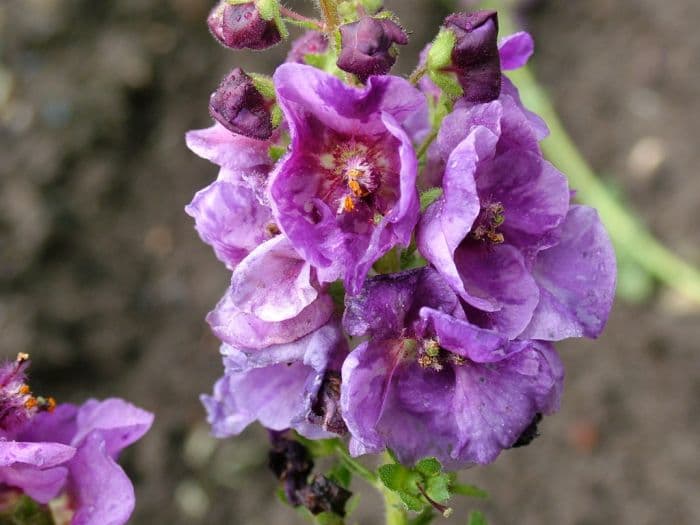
<point>393,508</point>
<point>626,231</point>
<point>355,466</point>
<point>329,9</point>
<point>299,19</point>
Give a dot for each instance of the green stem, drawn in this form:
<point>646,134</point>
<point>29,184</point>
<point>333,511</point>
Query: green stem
<point>418,74</point>
<point>393,508</point>
<point>628,234</point>
<point>330,14</point>
<point>423,149</point>
<point>356,467</point>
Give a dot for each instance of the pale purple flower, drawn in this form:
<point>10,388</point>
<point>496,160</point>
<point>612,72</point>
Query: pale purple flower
<point>429,383</point>
<point>283,386</point>
<point>346,192</point>
<point>71,450</point>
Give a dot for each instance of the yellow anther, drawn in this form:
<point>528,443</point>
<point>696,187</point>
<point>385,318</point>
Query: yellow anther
<point>348,204</point>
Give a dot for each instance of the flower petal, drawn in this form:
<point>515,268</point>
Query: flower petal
<point>577,280</point>
<point>515,50</point>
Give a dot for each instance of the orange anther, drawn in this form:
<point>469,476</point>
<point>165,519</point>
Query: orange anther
<point>348,204</point>
<point>24,390</point>
<point>356,188</point>
<point>31,403</point>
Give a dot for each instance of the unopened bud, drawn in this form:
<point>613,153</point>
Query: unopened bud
<point>240,107</point>
<point>368,46</point>
<point>242,26</point>
<point>475,57</point>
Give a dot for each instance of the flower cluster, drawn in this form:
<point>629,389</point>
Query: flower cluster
<point>65,454</point>
<point>402,255</point>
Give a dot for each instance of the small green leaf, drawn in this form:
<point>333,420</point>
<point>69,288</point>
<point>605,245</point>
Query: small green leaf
<point>429,466</point>
<point>276,152</point>
<point>329,518</point>
<point>412,502</point>
<point>477,518</point>
<point>424,518</point>
<point>264,84</point>
<point>394,476</point>
<point>447,82</point>
<point>468,490</point>
<point>372,6</point>
<point>438,488</point>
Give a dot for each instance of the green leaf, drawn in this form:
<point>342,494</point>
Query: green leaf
<point>468,490</point>
<point>276,152</point>
<point>438,488</point>
<point>329,518</point>
<point>424,518</point>
<point>476,518</point>
<point>394,476</point>
<point>337,292</point>
<point>264,84</point>
<point>429,466</point>
<point>447,82</point>
<point>372,6</point>
<point>412,502</point>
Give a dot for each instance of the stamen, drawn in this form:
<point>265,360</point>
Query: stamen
<point>347,205</point>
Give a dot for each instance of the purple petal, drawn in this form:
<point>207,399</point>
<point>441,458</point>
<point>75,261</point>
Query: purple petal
<point>239,329</point>
<point>237,153</point>
<point>273,283</point>
<point>42,455</point>
<point>229,217</point>
<point>496,280</point>
<point>41,485</point>
<point>58,426</point>
<point>120,423</point>
<point>516,50</point>
<point>577,280</point>
<point>103,493</point>
<point>495,402</point>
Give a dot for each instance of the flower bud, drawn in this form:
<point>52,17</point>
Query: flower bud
<point>475,56</point>
<point>368,46</point>
<point>310,43</point>
<point>242,26</point>
<point>240,107</point>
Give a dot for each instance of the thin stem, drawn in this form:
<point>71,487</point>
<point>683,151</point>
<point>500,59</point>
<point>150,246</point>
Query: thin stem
<point>626,231</point>
<point>418,74</point>
<point>299,19</point>
<point>423,149</point>
<point>355,466</point>
<point>330,14</point>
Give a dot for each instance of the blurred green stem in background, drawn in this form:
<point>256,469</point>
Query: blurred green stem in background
<point>632,240</point>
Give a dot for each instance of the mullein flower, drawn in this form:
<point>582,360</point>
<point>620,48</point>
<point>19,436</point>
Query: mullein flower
<point>50,450</point>
<point>240,25</point>
<point>367,46</point>
<point>503,207</point>
<point>310,43</point>
<point>427,382</point>
<point>346,192</point>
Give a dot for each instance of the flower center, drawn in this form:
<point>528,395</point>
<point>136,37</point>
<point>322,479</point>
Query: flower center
<point>17,404</point>
<point>431,355</point>
<point>490,218</point>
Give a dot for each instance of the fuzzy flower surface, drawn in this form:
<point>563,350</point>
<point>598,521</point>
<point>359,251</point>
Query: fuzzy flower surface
<point>346,193</point>
<point>47,451</point>
<point>427,382</point>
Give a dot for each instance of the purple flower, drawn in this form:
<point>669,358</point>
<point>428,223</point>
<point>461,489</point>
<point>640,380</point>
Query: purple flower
<point>367,46</point>
<point>240,26</point>
<point>283,386</point>
<point>310,43</point>
<point>71,450</point>
<point>429,383</point>
<point>346,192</point>
<point>503,207</point>
<point>475,57</point>
<point>274,298</point>
<point>240,107</point>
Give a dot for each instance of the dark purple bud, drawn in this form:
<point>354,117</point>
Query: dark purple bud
<point>310,43</point>
<point>368,46</point>
<point>240,107</point>
<point>324,495</point>
<point>240,26</point>
<point>292,464</point>
<point>475,54</point>
<point>326,410</point>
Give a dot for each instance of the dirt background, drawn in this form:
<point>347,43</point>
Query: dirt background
<point>106,285</point>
